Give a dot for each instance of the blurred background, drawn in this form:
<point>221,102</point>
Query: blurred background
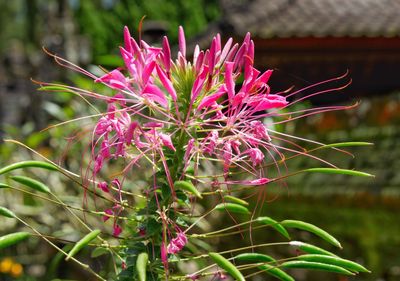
<point>304,41</point>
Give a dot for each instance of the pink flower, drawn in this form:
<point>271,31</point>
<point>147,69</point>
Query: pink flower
<point>177,244</point>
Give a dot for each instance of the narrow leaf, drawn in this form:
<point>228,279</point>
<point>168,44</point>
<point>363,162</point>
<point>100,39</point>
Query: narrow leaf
<point>141,265</point>
<point>276,272</point>
<point>313,229</point>
<point>311,249</point>
<point>236,200</point>
<point>13,238</point>
<point>28,164</point>
<point>316,266</point>
<point>274,224</point>
<point>232,207</point>
<point>337,171</point>
<point>254,257</point>
<point>6,213</point>
<point>34,184</point>
<point>350,265</point>
<point>3,185</point>
<point>188,186</point>
<point>82,243</point>
<point>227,266</point>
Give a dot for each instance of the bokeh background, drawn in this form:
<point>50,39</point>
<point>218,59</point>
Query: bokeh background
<point>304,41</point>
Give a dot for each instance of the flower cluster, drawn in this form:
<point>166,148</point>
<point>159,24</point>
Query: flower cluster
<point>190,97</point>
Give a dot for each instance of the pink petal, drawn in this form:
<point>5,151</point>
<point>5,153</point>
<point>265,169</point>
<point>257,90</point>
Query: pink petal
<point>166,83</point>
<point>154,93</point>
<point>115,79</point>
<point>229,82</point>
<point>182,41</point>
<point>198,83</point>
<point>167,54</point>
<point>117,230</point>
<point>209,100</point>
<point>166,140</point>
<point>108,212</point>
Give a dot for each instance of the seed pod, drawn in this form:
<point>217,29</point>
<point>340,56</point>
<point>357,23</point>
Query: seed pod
<point>337,171</point>
<point>141,265</point>
<point>276,272</point>
<point>82,243</point>
<point>313,229</point>
<point>6,213</point>
<point>350,265</point>
<point>236,200</point>
<point>232,207</point>
<point>189,187</point>
<point>34,184</point>
<point>227,266</point>
<point>316,266</point>
<point>254,257</point>
<point>311,249</point>
<point>28,164</point>
<point>13,238</point>
<point>274,224</point>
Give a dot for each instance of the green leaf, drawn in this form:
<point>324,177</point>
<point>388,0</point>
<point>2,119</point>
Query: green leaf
<point>276,272</point>
<point>227,266</point>
<point>254,257</point>
<point>83,243</point>
<point>232,207</point>
<point>316,266</point>
<point>189,187</point>
<point>34,184</point>
<point>313,229</point>
<point>311,249</point>
<point>6,213</point>
<point>350,265</point>
<point>28,164</point>
<point>13,238</point>
<point>236,200</point>
<point>99,251</point>
<point>337,171</point>
<point>141,265</point>
<point>274,224</point>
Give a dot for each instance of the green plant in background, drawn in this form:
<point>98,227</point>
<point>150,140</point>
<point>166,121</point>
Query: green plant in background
<point>180,144</point>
